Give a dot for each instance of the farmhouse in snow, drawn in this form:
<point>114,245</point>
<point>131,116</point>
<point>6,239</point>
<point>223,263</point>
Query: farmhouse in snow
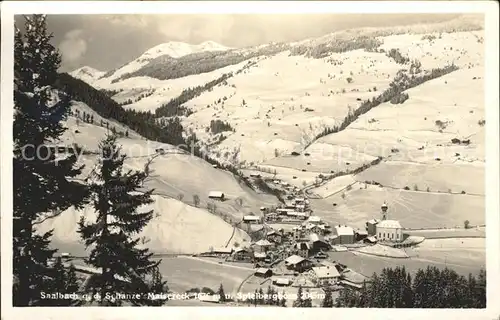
<point>251,219</point>
<point>297,263</point>
<point>216,195</point>
<point>344,235</point>
<point>326,275</point>
<point>263,272</point>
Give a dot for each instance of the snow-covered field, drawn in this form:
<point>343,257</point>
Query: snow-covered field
<point>175,228</point>
<point>414,209</point>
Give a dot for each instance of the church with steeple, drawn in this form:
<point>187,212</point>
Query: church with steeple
<point>385,229</point>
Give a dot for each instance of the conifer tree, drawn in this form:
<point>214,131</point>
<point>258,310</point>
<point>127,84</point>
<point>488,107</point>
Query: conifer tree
<point>64,282</point>
<point>283,300</point>
<point>158,287</point>
<point>299,302</point>
<point>222,295</point>
<point>307,302</point>
<point>328,300</point>
<point>72,282</point>
<point>261,297</point>
<point>269,294</point>
<point>115,197</point>
<point>41,185</point>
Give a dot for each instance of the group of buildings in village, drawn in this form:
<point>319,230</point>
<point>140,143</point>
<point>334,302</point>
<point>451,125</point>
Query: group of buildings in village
<point>303,248</point>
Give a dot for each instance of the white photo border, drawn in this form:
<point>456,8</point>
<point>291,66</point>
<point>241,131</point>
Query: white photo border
<point>488,8</point>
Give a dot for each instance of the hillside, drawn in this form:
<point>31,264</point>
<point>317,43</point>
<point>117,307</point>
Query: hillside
<point>355,117</point>
<point>175,228</point>
<point>179,226</point>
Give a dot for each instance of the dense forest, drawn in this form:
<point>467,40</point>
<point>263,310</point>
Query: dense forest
<point>429,288</point>
<point>323,50</point>
<point>175,106</point>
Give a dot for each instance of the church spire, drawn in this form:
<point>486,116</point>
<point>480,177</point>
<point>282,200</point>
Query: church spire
<point>384,208</point>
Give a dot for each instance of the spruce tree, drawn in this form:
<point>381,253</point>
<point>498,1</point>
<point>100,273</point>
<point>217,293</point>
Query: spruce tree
<point>115,197</point>
<point>41,186</point>
<point>328,300</point>
<point>72,283</point>
<point>158,288</point>
<point>299,302</point>
<point>64,282</point>
<point>307,303</point>
<point>283,300</point>
<point>222,295</point>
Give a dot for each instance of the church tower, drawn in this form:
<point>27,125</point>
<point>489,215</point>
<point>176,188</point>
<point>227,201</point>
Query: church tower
<point>384,208</point>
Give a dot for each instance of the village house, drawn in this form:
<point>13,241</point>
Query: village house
<point>284,211</point>
<point>318,243</point>
<point>242,254</point>
<point>300,207</point>
<point>218,195</point>
<point>326,275</point>
<point>314,220</point>
<point>218,252</point>
<point>300,200</point>
<point>271,217</point>
<point>371,227</point>
<point>360,235</point>
<point>345,235</point>
<point>320,229</point>
<point>259,256</point>
<point>299,216</point>
<point>262,245</point>
<point>263,272</point>
<point>302,249</point>
<point>298,264</point>
<point>370,239</point>
<point>252,219</point>
<point>274,237</point>
<point>282,282</point>
<point>299,233</point>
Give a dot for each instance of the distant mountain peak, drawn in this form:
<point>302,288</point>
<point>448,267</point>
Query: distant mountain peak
<point>176,49</point>
<point>87,74</point>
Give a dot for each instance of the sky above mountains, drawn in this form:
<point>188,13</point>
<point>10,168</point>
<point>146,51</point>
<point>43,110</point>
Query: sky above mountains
<point>106,42</point>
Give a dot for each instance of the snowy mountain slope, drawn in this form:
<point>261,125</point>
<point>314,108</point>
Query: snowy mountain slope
<point>176,177</point>
<point>179,49</point>
<point>162,90</point>
<point>175,228</point>
<point>169,50</point>
<point>87,74</point>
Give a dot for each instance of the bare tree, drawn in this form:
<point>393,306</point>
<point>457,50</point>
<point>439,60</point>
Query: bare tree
<point>466,224</point>
<point>196,200</point>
